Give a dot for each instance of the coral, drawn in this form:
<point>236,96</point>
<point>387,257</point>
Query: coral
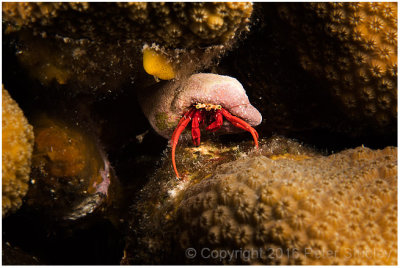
<point>308,68</point>
<point>16,157</point>
<point>317,209</point>
<point>356,51</point>
<point>155,63</point>
<point>24,14</point>
<point>71,176</point>
<point>168,24</point>
<point>165,104</point>
<point>97,46</point>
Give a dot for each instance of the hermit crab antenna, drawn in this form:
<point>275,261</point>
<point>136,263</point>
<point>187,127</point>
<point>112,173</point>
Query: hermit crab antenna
<point>175,136</point>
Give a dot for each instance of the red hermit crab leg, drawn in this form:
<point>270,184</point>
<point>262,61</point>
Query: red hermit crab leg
<point>183,118</point>
<point>197,118</point>
<point>237,122</point>
<point>175,136</point>
<point>252,130</point>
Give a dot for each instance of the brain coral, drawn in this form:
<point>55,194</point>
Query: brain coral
<point>281,209</point>
<point>16,156</point>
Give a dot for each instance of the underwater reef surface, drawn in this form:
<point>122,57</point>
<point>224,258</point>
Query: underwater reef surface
<point>88,179</point>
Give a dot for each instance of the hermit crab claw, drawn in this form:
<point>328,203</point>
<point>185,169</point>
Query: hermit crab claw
<point>203,99</point>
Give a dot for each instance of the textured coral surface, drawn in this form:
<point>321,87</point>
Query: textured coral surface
<point>321,68</point>
<point>355,49</point>
<point>16,156</point>
<point>97,46</point>
<point>294,208</point>
<point>171,24</point>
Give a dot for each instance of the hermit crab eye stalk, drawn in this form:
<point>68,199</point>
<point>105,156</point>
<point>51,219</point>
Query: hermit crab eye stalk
<point>199,106</point>
<point>207,106</point>
<point>197,114</point>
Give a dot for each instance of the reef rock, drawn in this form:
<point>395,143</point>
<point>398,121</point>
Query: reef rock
<point>71,176</point>
<point>15,256</point>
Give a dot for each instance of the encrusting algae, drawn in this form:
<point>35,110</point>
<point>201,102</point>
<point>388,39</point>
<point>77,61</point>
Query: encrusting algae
<point>16,157</point>
<point>297,208</point>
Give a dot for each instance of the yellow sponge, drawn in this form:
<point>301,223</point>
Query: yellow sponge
<point>157,64</point>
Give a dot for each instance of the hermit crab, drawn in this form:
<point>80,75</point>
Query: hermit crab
<point>201,113</point>
<point>202,99</point>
